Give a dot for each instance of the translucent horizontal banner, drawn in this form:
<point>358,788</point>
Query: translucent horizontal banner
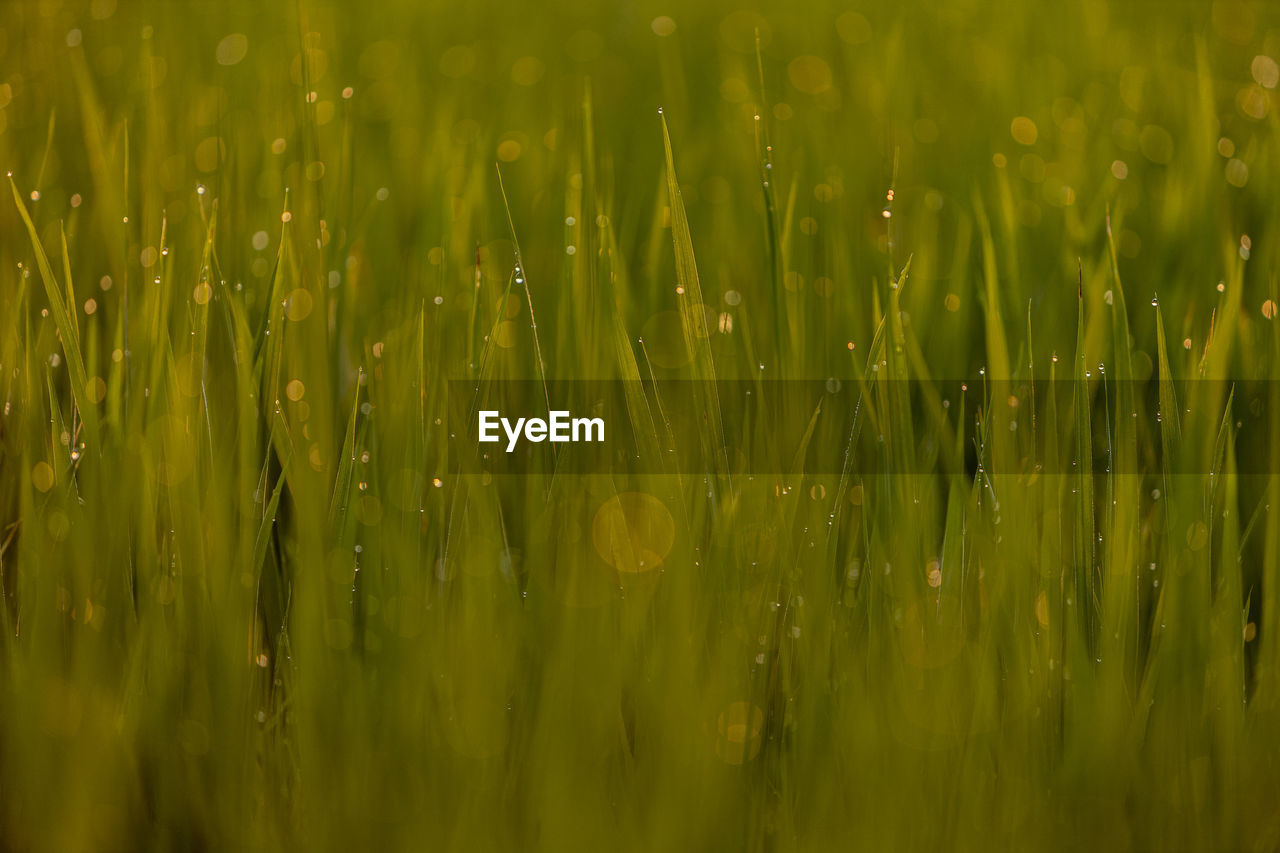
<point>880,425</point>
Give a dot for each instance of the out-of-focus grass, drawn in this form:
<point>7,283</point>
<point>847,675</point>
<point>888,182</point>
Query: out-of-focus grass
<point>247,606</point>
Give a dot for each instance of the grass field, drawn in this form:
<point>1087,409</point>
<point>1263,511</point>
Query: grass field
<point>252,601</point>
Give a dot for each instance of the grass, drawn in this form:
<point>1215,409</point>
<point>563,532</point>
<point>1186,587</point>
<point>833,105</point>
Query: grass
<point>251,602</point>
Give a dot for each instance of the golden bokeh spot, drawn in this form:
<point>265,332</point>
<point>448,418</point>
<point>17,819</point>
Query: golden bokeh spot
<point>1254,102</point>
<point>734,90</point>
<point>1237,173</point>
<point>1265,71</point>
<point>925,130</point>
<point>1042,609</point>
<point>1269,309</point>
<point>933,574</point>
<point>810,74</point>
<point>298,305</point>
<point>662,25</point>
<point>94,614</point>
<point>855,494</point>
<point>853,28</point>
<point>209,153</point>
<point>232,49</point>
<point>42,476</point>
<point>1024,131</point>
<point>202,293</point>
<point>509,150</point>
<point>1156,144</point>
<point>295,390</point>
<point>506,336</point>
<point>704,320</point>
<point>317,65</point>
<point>96,388</point>
<point>738,733</point>
<point>527,71</point>
<point>633,532</point>
<point>952,302</point>
<point>458,61</point>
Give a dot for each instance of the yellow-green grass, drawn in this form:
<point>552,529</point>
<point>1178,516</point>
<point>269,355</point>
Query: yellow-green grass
<point>250,604</point>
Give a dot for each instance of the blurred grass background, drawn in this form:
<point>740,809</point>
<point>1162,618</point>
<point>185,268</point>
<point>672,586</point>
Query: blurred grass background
<point>248,607</point>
